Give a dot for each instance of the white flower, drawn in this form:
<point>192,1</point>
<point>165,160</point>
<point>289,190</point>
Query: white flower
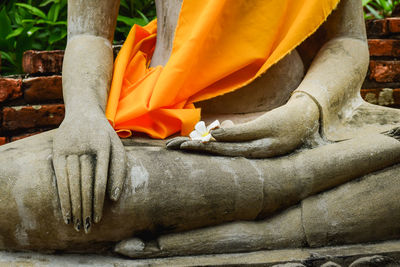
<point>202,133</point>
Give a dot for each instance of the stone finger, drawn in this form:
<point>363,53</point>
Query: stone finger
<point>60,169</point>
<point>396,132</point>
<point>73,170</point>
<point>256,129</point>
<point>262,148</point>
<point>100,183</point>
<point>393,132</point>
<point>176,142</point>
<point>117,169</point>
<point>87,191</point>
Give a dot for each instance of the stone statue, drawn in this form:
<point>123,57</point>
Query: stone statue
<point>307,105</point>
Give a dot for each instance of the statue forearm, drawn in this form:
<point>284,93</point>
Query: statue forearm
<point>88,62</point>
<point>337,71</point>
<point>92,17</point>
<point>333,82</point>
<point>85,140</point>
<point>339,68</point>
<point>87,72</point>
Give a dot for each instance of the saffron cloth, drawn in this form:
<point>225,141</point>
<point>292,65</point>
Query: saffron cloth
<point>219,46</point>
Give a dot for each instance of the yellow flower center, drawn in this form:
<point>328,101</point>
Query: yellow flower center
<point>205,134</point>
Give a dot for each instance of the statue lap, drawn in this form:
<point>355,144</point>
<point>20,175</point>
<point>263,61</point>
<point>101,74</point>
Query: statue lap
<point>186,191</point>
<point>311,198</point>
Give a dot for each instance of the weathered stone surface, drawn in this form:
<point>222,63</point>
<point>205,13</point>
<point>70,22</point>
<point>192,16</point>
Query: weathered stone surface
<point>10,88</point>
<point>342,256</point>
<point>330,264</point>
<point>384,47</point>
<point>291,264</point>
<point>384,71</point>
<point>42,89</point>
<point>233,237</point>
<point>355,212</point>
<point>34,62</point>
<point>375,261</point>
<point>26,117</point>
<point>162,197</point>
<point>184,183</point>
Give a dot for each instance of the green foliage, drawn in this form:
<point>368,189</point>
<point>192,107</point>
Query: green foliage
<point>379,8</point>
<point>33,24</point>
<point>42,25</point>
<point>133,12</point>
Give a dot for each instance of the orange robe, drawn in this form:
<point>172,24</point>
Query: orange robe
<point>219,46</point>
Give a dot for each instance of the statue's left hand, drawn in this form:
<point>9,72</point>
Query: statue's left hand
<point>275,133</point>
<point>88,158</point>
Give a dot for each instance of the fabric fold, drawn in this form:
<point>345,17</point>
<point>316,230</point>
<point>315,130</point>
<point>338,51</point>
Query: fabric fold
<point>219,46</point>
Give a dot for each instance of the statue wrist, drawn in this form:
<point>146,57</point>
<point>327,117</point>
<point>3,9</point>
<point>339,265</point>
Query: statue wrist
<point>84,105</point>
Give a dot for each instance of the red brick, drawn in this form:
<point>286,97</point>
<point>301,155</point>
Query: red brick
<point>40,89</point>
<point>28,117</point>
<point>384,71</point>
<point>3,140</point>
<point>384,47</point>
<point>10,89</point>
<point>35,62</point>
<point>377,27</point>
<point>394,25</point>
<point>22,136</point>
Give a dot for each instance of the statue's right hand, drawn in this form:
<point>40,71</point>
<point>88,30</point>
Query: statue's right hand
<point>277,132</point>
<point>88,159</point>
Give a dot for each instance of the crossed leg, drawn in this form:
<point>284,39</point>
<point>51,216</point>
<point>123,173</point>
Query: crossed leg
<point>185,191</point>
<point>362,211</point>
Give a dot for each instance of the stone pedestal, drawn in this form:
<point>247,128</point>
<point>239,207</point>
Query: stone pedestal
<point>380,254</point>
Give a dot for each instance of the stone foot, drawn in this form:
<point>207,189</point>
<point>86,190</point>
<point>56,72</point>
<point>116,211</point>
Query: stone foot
<point>283,231</point>
<point>395,133</point>
<point>330,264</point>
<point>289,265</point>
<point>375,261</point>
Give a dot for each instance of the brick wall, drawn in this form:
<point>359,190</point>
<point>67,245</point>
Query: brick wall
<point>32,103</point>
<point>382,84</point>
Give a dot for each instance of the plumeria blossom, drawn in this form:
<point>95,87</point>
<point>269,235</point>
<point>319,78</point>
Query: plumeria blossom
<point>202,133</point>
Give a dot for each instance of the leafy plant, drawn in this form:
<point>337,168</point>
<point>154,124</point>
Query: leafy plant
<point>39,25</point>
<point>133,12</point>
<point>42,25</point>
<point>379,8</point>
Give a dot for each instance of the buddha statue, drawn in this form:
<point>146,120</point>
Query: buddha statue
<point>306,162</point>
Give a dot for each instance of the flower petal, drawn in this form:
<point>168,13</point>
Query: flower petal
<point>206,138</point>
<point>213,125</point>
<point>201,127</point>
<point>195,135</point>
